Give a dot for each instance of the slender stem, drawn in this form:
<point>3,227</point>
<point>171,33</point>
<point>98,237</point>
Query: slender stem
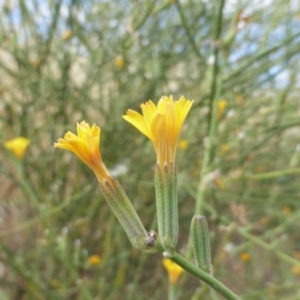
<point>215,91</point>
<point>209,279</point>
<point>216,69</point>
<point>172,291</point>
<point>189,34</point>
<point>273,174</point>
<point>256,58</point>
<point>269,247</point>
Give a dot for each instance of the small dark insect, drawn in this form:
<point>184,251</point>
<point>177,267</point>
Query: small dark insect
<point>151,239</point>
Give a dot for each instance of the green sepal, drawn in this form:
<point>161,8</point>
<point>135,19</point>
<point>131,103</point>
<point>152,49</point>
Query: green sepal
<point>125,212</point>
<point>167,206</point>
<point>160,203</point>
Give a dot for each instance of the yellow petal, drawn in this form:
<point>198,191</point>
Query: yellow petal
<point>137,121</point>
<point>174,271</point>
<point>148,110</point>
<point>86,146</point>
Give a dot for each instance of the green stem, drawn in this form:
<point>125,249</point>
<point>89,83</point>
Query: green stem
<point>273,174</point>
<point>269,247</point>
<point>216,68</point>
<point>172,291</point>
<point>215,91</point>
<point>189,34</point>
<point>202,275</point>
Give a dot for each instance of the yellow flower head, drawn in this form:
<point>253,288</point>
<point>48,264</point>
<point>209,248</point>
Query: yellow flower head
<point>221,107</point>
<point>182,144</point>
<point>119,62</point>
<point>225,148</point>
<point>174,271</point>
<point>161,124</point>
<point>287,210</point>
<point>245,256</point>
<point>264,220</point>
<point>296,270</point>
<point>86,146</point>
<point>18,146</point>
<point>94,260</point>
<point>67,34</point>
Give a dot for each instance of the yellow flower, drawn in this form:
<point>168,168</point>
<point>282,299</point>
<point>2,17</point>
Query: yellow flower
<point>174,271</point>
<point>94,260</point>
<point>296,270</point>
<point>221,107</point>
<point>161,124</point>
<point>240,99</point>
<point>224,148</point>
<point>36,63</point>
<point>119,62</point>
<point>287,210</point>
<point>182,144</point>
<point>244,256</point>
<point>86,146</point>
<point>18,146</point>
<point>219,183</point>
<point>264,220</point>
<point>67,34</point>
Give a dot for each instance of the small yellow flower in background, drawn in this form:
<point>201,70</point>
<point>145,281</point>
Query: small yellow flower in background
<point>245,257</point>
<point>36,63</point>
<point>296,270</point>
<point>174,271</point>
<point>119,62</point>
<point>182,144</point>
<point>240,99</point>
<point>18,146</point>
<point>86,146</point>
<point>94,260</point>
<point>259,169</point>
<point>67,34</point>
<point>219,183</point>
<point>222,104</point>
<point>224,148</point>
<point>264,220</point>
<point>287,210</point>
<point>161,124</point>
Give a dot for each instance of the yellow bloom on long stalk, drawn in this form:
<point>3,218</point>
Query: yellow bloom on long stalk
<point>161,124</point>
<point>86,146</point>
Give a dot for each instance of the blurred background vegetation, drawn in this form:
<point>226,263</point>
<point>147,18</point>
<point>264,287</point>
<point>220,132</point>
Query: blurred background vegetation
<point>66,61</point>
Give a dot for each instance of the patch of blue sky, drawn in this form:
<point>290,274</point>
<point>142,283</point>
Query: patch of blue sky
<point>276,77</point>
<point>42,13</point>
<point>13,13</point>
<point>245,50</point>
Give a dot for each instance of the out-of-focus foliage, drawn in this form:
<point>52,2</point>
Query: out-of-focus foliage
<point>66,61</point>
